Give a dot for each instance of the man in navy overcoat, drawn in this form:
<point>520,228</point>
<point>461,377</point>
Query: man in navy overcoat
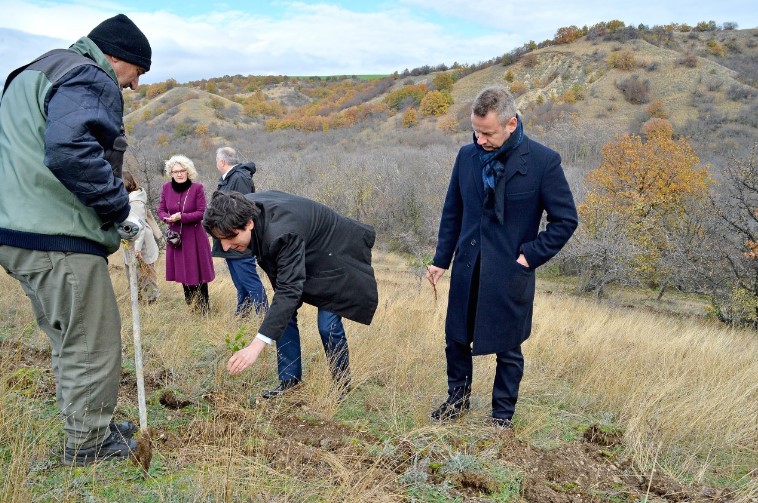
<point>501,185</point>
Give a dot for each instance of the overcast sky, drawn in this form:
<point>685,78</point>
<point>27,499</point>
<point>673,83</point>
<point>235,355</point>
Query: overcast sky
<point>193,40</point>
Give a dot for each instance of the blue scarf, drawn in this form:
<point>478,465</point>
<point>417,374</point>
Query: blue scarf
<point>493,167</point>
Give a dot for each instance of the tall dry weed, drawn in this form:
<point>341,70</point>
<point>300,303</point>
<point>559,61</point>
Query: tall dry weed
<point>683,384</point>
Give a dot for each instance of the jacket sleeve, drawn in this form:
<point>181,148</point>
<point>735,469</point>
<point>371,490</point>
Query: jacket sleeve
<point>241,182</point>
<point>84,117</point>
<point>562,218</point>
<point>450,221</point>
<point>289,250</point>
<point>138,213</point>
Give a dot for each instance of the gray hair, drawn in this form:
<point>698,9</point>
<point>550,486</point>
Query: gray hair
<point>228,155</point>
<point>183,161</point>
<point>495,99</point>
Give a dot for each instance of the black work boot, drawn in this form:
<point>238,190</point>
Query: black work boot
<point>113,447</point>
<point>125,429</point>
<point>455,406</point>
<point>283,387</point>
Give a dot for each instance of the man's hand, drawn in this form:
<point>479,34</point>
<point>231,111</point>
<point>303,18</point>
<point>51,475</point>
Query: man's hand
<point>434,273</point>
<point>522,260</point>
<point>128,229</point>
<point>245,357</point>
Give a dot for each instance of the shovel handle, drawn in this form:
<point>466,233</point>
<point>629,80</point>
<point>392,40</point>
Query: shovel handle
<point>137,335</point>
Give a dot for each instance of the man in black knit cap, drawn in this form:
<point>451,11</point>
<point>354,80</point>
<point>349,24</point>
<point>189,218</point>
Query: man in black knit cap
<point>64,209</point>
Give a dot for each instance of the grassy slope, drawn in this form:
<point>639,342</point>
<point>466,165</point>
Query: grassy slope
<point>608,395</point>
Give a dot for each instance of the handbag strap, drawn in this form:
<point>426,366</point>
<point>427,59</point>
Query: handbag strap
<point>186,195</point>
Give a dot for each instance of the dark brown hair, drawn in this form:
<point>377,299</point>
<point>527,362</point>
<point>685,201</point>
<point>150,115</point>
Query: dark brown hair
<point>228,213</point>
<point>129,182</point>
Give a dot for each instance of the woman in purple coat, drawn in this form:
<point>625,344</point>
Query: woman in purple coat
<point>182,206</point>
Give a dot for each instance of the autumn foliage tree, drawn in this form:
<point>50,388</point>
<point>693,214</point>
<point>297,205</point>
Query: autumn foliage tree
<point>443,81</point>
<point>406,97</point>
<point>435,103</point>
<point>654,192</point>
<point>568,34</point>
<point>410,118</point>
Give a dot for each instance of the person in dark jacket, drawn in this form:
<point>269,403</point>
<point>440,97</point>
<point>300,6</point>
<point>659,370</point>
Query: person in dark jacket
<point>310,253</point>
<point>501,185</point>
<point>64,209</point>
<point>238,177</point>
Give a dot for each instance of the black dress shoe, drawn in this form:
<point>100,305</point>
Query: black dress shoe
<point>344,391</point>
<point>502,422</point>
<point>283,387</point>
<point>455,406</point>
<point>451,410</point>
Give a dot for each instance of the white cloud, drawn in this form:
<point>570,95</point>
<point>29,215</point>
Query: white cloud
<point>308,39</point>
<point>322,38</point>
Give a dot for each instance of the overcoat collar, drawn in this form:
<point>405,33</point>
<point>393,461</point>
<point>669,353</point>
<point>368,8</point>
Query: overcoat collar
<point>516,163</point>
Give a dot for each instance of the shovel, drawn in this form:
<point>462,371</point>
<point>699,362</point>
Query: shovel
<point>144,452</point>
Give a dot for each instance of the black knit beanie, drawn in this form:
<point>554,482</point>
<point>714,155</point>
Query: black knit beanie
<point>120,37</point>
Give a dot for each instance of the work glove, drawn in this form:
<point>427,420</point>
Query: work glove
<point>128,229</point>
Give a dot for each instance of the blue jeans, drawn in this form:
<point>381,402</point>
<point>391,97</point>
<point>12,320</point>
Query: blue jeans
<point>333,339</point>
<point>250,291</point>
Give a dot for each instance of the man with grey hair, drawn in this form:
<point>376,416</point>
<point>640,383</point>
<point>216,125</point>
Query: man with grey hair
<point>501,185</point>
<point>238,177</point>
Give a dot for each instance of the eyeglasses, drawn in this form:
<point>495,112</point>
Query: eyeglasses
<point>178,171</point>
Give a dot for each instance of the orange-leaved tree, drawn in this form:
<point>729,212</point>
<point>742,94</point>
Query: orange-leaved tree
<point>435,103</point>
<point>653,191</point>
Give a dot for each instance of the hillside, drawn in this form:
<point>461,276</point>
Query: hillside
<point>605,83</point>
<point>380,150</point>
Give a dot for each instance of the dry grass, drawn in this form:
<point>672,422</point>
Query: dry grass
<point>689,386</point>
<point>684,392</point>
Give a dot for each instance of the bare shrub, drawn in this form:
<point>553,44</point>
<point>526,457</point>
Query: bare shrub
<point>748,115</point>
<point>518,88</point>
<point>714,85</point>
<point>530,60</point>
<point>738,92</point>
<point>655,109</point>
<point>657,127</point>
<point>689,60</point>
<point>547,114</point>
<point>623,60</point>
<point>634,89</point>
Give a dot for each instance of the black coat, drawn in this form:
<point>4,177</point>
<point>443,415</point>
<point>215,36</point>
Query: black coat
<point>238,179</point>
<point>314,255</point>
<point>533,183</point>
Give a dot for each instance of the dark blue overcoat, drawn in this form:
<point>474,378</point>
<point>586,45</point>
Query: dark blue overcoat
<point>534,183</point>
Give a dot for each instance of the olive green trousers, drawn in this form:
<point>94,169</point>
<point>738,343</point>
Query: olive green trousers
<point>74,303</point>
